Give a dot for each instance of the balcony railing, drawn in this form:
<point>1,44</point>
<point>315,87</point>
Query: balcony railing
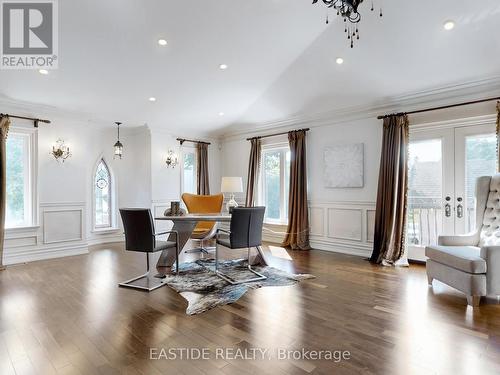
<point>425,218</point>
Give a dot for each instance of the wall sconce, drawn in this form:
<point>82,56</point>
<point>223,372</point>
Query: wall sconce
<point>172,159</point>
<point>60,151</point>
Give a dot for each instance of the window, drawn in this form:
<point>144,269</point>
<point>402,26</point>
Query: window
<point>19,179</point>
<point>103,199</point>
<point>275,183</point>
<point>189,171</point>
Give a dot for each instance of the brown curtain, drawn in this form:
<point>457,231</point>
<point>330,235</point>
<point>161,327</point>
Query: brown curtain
<point>202,181</point>
<point>390,217</point>
<point>498,136</point>
<point>297,236</point>
<point>253,171</point>
<point>4,130</point>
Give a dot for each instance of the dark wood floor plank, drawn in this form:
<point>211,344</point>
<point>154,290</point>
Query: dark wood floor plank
<point>67,316</point>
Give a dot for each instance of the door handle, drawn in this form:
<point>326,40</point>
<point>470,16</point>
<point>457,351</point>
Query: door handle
<point>460,208</point>
<point>447,207</point>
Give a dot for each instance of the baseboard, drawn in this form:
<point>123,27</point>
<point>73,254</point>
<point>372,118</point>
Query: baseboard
<point>106,238</point>
<point>348,249</point>
<point>43,253</point>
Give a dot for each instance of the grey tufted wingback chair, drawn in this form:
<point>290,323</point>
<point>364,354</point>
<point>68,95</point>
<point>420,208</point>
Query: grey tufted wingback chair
<point>471,262</point>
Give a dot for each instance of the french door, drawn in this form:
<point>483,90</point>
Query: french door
<point>443,167</point>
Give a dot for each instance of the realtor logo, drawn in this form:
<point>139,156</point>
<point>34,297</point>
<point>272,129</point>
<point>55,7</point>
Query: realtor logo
<point>29,34</point>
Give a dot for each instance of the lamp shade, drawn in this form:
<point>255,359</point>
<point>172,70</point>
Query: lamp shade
<point>231,185</point>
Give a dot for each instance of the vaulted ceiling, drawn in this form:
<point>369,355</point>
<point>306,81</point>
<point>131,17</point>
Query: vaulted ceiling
<point>280,56</point>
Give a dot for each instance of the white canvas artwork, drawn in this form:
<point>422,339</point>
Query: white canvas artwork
<point>344,166</point>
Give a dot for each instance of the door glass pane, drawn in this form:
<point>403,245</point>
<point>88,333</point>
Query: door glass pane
<point>425,188</point>
<point>480,160</point>
<point>272,162</point>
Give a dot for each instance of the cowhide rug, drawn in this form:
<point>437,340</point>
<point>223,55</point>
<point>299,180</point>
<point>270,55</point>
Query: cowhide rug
<point>204,290</point>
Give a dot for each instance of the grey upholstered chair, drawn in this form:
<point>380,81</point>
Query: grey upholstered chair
<point>245,232</point>
<point>140,236</point>
<point>471,263</point>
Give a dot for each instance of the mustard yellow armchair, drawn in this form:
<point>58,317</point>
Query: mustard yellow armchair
<point>203,204</point>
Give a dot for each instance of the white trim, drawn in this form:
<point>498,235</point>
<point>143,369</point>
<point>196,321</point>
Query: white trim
<point>190,149</point>
<point>31,186</point>
<point>82,225</point>
<point>455,123</point>
<point>105,239</point>
<point>444,95</point>
<point>30,254</point>
<point>283,148</point>
<point>114,195</point>
<point>105,230</point>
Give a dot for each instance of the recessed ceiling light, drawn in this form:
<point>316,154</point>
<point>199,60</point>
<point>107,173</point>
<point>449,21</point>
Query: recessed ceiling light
<point>43,71</point>
<point>449,25</point>
<point>221,113</point>
<point>223,66</point>
<point>152,99</point>
<point>339,60</point>
<point>162,42</point>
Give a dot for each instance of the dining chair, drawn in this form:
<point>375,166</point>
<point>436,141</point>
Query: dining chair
<point>140,236</point>
<point>203,204</point>
<point>245,232</point>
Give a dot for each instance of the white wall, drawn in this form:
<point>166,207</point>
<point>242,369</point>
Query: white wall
<point>341,219</point>
<point>64,225</point>
<point>165,181</point>
<point>65,190</point>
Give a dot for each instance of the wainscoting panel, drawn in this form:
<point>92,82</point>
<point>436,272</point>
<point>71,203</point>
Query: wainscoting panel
<point>62,225</point>
<point>317,221</point>
<point>61,233</point>
<point>343,227</point>
<point>345,224</point>
<point>370,227</point>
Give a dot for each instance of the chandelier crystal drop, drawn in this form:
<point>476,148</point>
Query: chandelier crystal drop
<point>348,10</point>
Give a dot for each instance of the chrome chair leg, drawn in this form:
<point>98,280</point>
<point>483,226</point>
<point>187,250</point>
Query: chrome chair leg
<point>130,283</point>
<point>234,281</point>
<point>201,249</point>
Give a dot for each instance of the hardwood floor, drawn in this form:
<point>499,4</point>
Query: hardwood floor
<point>67,316</point>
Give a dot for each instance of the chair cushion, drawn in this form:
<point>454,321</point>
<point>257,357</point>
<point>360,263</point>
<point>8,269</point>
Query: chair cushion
<point>464,258</point>
<point>162,245</point>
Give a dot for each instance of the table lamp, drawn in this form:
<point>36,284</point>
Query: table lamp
<point>231,185</point>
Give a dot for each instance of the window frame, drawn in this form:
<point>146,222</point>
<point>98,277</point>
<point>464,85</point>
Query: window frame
<point>31,175</point>
<point>283,147</point>
<point>113,199</point>
<point>188,150</point>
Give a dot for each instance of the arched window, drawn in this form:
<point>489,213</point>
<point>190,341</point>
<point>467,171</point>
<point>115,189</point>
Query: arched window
<point>103,196</point>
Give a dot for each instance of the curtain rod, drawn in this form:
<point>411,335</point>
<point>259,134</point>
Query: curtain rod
<point>35,120</point>
<point>182,140</point>
<point>276,134</point>
<point>439,108</point>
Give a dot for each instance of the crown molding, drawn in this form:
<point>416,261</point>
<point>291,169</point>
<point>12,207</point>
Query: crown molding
<point>444,95</point>
<point>461,122</point>
<point>30,109</point>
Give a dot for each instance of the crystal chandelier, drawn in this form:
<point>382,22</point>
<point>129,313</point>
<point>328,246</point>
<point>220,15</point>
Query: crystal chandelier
<point>348,10</point>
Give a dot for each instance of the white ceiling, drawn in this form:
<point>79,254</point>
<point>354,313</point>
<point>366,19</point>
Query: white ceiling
<point>280,53</point>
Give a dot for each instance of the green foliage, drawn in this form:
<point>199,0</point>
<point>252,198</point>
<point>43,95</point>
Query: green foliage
<point>15,180</point>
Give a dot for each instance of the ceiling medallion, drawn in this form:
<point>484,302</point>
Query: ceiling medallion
<point>348,10</point>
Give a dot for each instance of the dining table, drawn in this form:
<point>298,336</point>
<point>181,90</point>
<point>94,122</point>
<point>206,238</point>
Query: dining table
<point>184,225</point>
